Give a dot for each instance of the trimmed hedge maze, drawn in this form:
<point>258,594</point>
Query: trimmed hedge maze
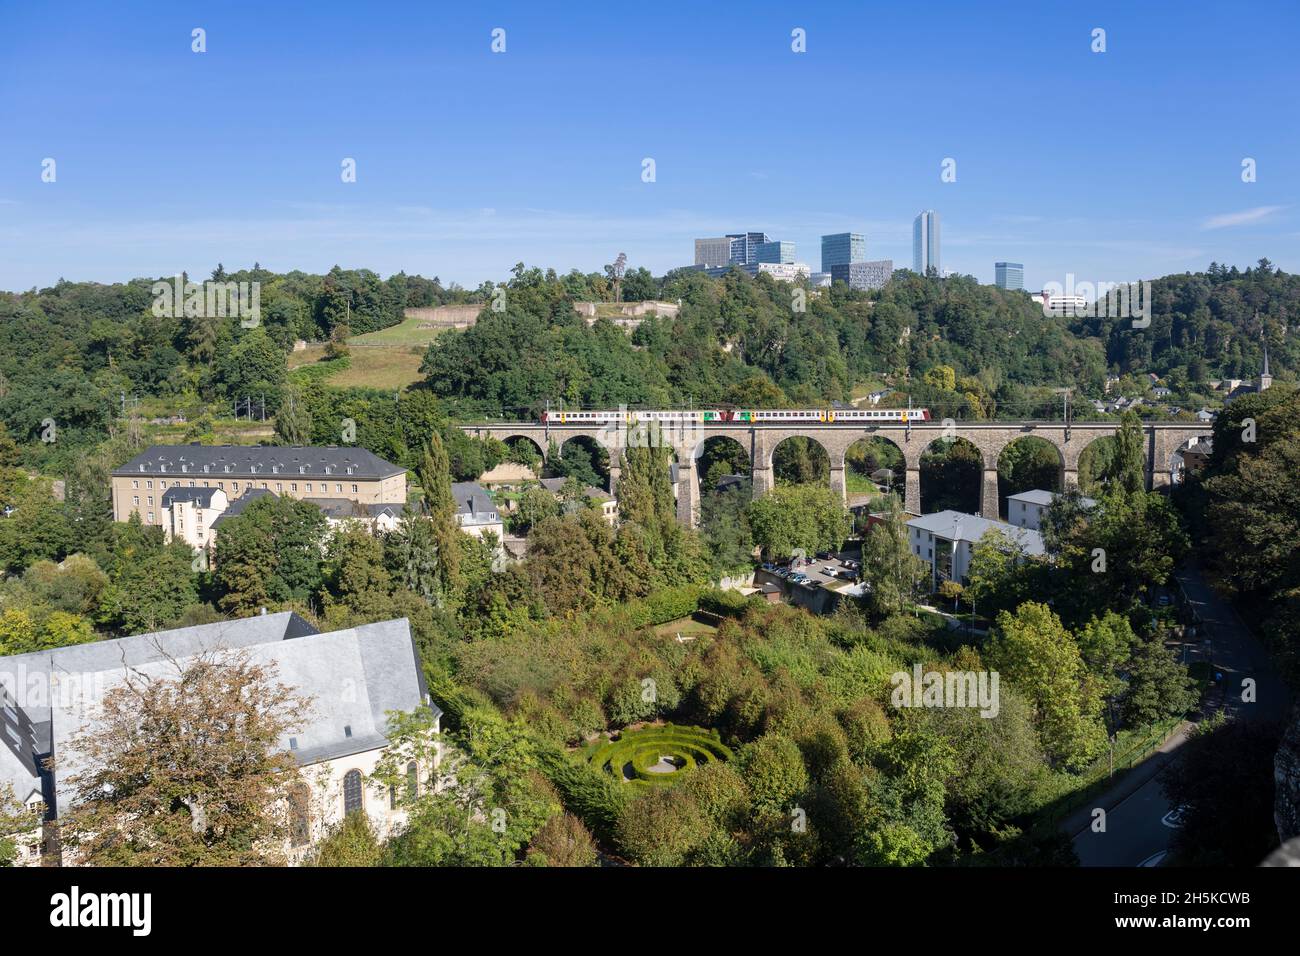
<point>657,756</point>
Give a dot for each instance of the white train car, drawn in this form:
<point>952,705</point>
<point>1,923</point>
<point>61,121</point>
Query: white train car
<point>792,416</point>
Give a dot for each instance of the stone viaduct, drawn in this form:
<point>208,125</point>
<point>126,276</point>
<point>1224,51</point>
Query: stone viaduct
<point>1163,440</point>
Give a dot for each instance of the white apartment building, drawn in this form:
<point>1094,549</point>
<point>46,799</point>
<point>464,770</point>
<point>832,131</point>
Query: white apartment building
<point>945,541</point>
<point>1026,509</point>
<point>189,514</point>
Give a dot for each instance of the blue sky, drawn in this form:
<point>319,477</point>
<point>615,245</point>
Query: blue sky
<point>1112,166</point>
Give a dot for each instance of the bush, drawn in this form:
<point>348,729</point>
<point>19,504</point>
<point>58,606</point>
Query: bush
<point>689,747</point>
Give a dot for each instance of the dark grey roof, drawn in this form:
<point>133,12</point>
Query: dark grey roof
<point>349,508</point>
<point>200,496</point>
<point>472,499</point>
<point>556,485</point>
<point>238,506</point>
<point>262,461</point>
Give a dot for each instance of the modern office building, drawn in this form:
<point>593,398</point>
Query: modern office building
<point>744,250</point>
<point>864,276</point>
<point>842,248</point>
<point>925,244</point>
<point>1009,275</point>
<point>774,251</point>
<point>713,252</point>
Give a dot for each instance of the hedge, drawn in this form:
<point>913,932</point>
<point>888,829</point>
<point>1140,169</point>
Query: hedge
<point>693,746</point>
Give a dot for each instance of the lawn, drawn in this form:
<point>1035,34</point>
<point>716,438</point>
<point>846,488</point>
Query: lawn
<point>405,333</point>
<point>372,366</point>
<point>686,626</point>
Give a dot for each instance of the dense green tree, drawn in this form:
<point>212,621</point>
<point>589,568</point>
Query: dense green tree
<point>270,554</point>
<point>1040,657</point>
<point>892,574</point>
<point>810,517</point>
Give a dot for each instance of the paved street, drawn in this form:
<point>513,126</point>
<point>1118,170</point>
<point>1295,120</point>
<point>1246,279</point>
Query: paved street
<point>1135,807</point>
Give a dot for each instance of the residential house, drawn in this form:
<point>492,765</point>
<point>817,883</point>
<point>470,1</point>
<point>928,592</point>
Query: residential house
<point>352,679</point>
<point>945,541</point>
<point>476,513</point>
<point>374,517</point>
<point>189,514</point>
<point>602,500</point>
<point>1026,509</point>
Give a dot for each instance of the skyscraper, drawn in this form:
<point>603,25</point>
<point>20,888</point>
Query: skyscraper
<point>713,252</point>
<point>842,248</point>
<point>1009,275</point>
<point>745,249</point>
<point>774,251</point>
<point>925,243</point>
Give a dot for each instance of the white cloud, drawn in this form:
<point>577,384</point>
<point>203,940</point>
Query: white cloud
<point>1243,218</point>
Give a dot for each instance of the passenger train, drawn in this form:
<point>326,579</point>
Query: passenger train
<point>736,416</point>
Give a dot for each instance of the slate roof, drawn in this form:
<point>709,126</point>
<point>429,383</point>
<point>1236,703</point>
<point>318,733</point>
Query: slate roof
<point>1040,497</point>
<point>958,526</point>
<point>238,506</point>
<point>246,461</point>
<point>473,501</point>
<point>353,678</point>
<point>200,496</point>
<point>348,508</point>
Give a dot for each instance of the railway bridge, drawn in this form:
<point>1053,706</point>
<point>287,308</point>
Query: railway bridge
<point>1162,441</point>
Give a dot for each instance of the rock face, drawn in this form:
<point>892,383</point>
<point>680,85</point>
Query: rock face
<point>1286,778</point>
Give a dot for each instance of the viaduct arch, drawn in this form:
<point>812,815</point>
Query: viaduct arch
<point>1162,440</point>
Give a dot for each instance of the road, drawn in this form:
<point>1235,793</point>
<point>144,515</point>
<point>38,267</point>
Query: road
<point>1135,808</point>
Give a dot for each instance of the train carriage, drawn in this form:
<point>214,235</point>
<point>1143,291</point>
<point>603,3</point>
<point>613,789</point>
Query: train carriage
<point>794,416</point>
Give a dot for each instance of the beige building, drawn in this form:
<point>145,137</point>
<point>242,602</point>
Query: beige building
<point>345,472</point>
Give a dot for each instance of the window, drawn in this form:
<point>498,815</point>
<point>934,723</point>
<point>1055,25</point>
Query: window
<point>136,485</point>
<point>412,781</point>
<point>150,521</point>
<point>338,488</point>
<point>354,489</point>
<point>135,500</point>
<point>352,798</point>
<point>293,486</point>
<point>300,810</point>
<point>149,485</point>
<point>309,487</point>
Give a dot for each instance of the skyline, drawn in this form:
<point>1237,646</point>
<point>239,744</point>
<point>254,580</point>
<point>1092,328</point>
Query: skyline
<point>1118,165</point>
